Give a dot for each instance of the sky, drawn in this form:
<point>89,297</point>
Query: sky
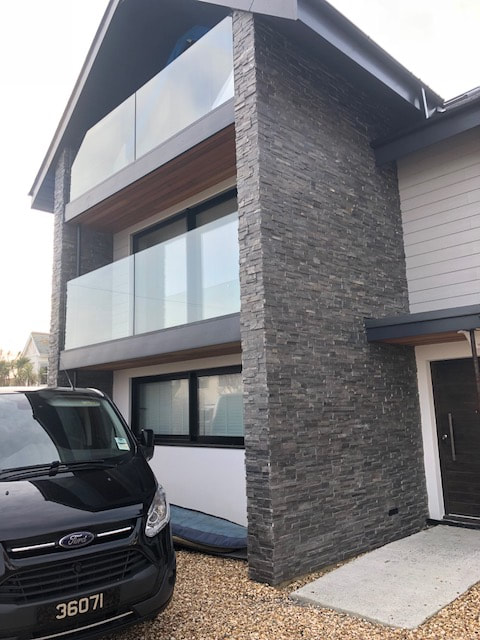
<point>435,39</point>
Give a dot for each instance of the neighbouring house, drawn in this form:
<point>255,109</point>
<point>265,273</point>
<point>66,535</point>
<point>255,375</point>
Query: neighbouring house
<point>36,350</point>
<point>237,186</point>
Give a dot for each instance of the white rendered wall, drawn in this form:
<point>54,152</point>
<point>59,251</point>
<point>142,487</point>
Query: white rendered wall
<point>424,356</point>
<point>440,201</point>
<point>202,478</point>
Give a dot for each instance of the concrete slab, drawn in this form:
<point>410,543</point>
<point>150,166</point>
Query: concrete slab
<point>403,583</point>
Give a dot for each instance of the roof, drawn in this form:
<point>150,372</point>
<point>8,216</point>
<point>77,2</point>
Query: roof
<point>111,69</point>
<point>459,114</point>
<point>41,341</point>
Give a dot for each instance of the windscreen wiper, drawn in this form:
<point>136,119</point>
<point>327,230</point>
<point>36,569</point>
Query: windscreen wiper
<point>23,472</point>
<point>52,468</point>
<point>57,466</point>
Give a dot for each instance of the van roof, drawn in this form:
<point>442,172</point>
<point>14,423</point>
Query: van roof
<point>91,392</point>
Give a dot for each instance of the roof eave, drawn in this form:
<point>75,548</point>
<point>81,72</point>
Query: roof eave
<point>336,29</point>
<point>318,15</point>
<point>39,200</point>
<point>441,127</point>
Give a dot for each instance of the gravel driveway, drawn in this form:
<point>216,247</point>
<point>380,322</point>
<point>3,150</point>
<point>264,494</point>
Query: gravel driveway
<point>214,600</point>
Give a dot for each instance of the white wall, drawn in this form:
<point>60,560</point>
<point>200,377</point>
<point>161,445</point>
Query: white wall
<point>203,478</point>
<point>424,356</point>
<point>440,201</point>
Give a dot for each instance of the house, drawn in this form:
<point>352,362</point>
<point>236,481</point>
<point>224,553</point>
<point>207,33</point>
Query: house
<point>36,350</point>
<point>227,215</point>
<point>439,185</point>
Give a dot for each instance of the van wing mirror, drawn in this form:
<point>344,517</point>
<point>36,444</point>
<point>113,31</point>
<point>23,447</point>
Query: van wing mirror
<point>147,442</point>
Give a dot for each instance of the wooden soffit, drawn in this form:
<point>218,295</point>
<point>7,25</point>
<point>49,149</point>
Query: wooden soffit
<point>199,168</point>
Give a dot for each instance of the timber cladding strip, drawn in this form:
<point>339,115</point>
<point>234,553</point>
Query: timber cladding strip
<point>200,168</point>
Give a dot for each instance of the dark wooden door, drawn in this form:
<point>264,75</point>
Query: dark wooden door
<point>458,431</point>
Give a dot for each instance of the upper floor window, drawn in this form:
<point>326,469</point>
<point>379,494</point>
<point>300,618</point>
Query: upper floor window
<point>186,269</point>
<point>183,270</point>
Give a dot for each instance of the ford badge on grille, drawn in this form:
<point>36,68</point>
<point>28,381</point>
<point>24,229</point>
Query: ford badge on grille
<point>77,539</point>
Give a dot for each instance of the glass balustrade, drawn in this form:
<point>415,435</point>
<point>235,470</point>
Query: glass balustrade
<point>191,277</point>
<point>190,87</point>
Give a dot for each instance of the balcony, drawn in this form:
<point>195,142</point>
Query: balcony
<point>196,83</point>
<point>192,277</point>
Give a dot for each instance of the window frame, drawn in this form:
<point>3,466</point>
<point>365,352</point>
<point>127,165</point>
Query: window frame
<point>193,439</point>
<point>189,214</point>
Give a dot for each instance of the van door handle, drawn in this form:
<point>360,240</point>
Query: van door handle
<point>452,437</point>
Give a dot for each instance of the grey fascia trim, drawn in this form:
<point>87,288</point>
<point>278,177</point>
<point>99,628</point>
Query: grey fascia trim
<point>72,102</point>
<point>333,27</point>
<point>276,8</point>
<point>199,131</point>
<point>424,323</point>
<point>205,333</point>
<point>442,127</point>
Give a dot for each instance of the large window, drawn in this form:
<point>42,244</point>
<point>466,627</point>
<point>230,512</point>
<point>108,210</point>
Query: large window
<point>198,407</point>
<point>186,268</point>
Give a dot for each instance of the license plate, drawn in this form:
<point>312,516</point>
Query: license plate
<point>71,609</point>
<point>87,604</point>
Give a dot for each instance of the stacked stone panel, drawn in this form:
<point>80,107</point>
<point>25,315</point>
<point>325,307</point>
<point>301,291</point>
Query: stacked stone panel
<point>333,443</point>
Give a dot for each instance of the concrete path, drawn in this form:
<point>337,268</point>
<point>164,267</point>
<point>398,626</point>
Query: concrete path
<point>403,583</point>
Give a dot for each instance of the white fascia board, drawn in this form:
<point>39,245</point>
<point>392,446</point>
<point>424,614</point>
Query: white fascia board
<point>277,8</point>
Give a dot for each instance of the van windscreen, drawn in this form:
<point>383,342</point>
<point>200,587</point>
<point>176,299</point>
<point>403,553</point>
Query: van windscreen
<point>41,427</point>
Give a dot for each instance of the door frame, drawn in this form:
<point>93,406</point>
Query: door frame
<point>424,356</point>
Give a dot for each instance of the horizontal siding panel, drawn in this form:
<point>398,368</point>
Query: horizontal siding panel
<point>427,222</point>
<point>435,184</point>
<point>443,267</point>
<point>452,240</point>
<point>448,204</point>
<point>439,190</point>
<point>448,303</point>
<point>425,174</point>
<point>441,255</point>
<point>444,293</point>
<point>472,184</point>
<point>451,279</point>
<point>439,159</point>
<point>440,230</point>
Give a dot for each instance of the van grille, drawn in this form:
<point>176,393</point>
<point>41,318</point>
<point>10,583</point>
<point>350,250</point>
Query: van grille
<point>64,577</point>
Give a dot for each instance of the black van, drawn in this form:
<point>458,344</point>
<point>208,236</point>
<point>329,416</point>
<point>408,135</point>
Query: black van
<point>85,540</point>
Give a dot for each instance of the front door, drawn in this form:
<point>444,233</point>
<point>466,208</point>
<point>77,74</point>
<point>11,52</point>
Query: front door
<point>458,431</point>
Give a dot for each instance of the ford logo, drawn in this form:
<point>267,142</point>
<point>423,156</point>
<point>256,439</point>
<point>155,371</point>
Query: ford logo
<point>77,539</point>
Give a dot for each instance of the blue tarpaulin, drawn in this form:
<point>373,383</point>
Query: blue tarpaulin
<point>205,532</point>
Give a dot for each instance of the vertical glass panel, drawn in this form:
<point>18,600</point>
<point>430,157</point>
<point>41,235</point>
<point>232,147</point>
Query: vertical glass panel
<point>100,305</point>
<point>219,267</point>
<point>195,83</point>
<point>107,147</point>
<point>192,276</point>
<point>220,405</point>
<point>163,407</point>
<point>161,286</point>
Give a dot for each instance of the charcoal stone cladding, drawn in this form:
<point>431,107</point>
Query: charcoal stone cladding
<point>96,250</point>
<point>332,427</point>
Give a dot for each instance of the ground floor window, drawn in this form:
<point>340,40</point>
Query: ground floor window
<point>196,407</point>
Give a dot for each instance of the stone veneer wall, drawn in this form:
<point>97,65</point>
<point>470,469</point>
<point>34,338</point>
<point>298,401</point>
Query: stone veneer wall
<point>96,251</point>
<point>333,441</point>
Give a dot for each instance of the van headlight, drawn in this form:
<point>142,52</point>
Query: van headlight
<point>158,514</point>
